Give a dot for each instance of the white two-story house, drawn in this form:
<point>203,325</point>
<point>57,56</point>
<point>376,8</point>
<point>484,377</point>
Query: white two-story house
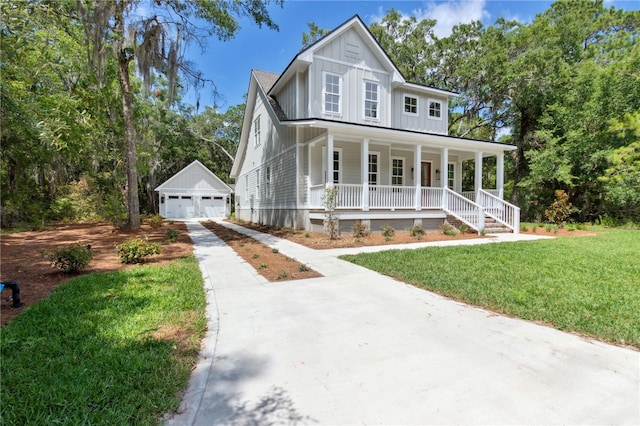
<point>342,115</point>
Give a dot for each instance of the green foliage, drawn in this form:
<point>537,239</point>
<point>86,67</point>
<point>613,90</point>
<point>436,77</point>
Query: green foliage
<point>172,235</point>
<point>330,202</point>
<point>463,228</point>
<point>588,287</point>
<point>275,250</point>
<point>282,275</point>
<point>263,266</point>
<point>303,268</point>
<point>72,258</point>
<point>417,231</point>
<point>448,229</point>
<point>134,250</point>
<point>155,221</point>
<point>560,209</point>
<point>115,348</point>
<point>359,229</point>
<point>388,232</point>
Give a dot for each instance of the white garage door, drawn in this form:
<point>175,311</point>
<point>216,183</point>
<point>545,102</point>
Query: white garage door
<point>180,207</point>
<point>212,207</point>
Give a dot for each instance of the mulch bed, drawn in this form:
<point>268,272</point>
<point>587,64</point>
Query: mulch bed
<point>269,263</point>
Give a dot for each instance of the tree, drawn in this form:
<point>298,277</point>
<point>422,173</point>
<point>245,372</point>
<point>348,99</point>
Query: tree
<point>155,38</point>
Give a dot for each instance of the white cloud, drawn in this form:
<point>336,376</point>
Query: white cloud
<point>447,14</point>
<point>451,13</point>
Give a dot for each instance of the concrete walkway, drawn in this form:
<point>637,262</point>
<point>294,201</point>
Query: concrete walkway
<point>356,347</point>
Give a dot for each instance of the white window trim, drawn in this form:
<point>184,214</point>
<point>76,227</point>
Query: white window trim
<point>404,174</point>
<point>257,134</point>
<point>267,181</point>
<point>325,167</point>
<point>364,100</point>
<point>324,92</point>
<point>417,98</point>
<point>377,172</point>
<point>429,109</point>
<point>453,180</point>
<point>257,184</point>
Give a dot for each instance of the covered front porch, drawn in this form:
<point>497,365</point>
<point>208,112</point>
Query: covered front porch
<point>408,179</point>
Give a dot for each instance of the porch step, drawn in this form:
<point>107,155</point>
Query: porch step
<point>491,226</point>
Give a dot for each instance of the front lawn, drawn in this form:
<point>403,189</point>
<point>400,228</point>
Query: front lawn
<point>589,285</point>
<point>113,348</point>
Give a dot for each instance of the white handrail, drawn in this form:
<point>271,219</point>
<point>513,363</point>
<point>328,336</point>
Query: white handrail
<point>463,209</point>
<point>500,210</point>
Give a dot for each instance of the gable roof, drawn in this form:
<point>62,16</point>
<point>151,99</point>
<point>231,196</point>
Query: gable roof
<point>208,180</point>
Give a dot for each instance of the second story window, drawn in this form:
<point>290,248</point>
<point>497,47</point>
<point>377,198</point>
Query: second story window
<point>435,109</point>
<point>370,99</point>
<point>410,105</point>
<point>332,93</point>
<point>256,131</point>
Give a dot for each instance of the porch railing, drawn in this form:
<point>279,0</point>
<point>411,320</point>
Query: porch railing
<point>392,197</point>
<point>503,212</point>
<point>464,209</point>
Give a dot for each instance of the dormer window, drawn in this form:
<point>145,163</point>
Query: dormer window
<point>410,105</point>
<point>370,99</point>
<point>435,109</point>
<point>332,92</point>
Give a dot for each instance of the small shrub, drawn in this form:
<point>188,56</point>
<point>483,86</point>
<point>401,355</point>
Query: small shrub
<point>359,230</point>
<point>524,228</point>
<point>448,229</point>
<point>307,234</point>
<point>560,209</point>
<point>548,227</point>
<point>282,275</point>
<point>172,235</point>
<point>555,229</point>
<point>534,227</point>
<point>357,240</point>
<point>70,259</point>
<point>416,231</point>
<point>388,232</point>
<point>303,268</point>
<point>135,250</point>
<point>263,266</point>
<point>580,227</point>
<point>155,221</point>
<point>483,232</point>
<point>255,256</point>
<point>464,228</point>
<point>330,202</point>
<point>275,250</point>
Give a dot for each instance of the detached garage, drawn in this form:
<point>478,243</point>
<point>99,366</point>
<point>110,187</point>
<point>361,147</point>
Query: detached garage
<point>194,192</point>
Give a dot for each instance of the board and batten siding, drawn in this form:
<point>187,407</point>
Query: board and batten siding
<point>288,97</point>
<point>422,122</point>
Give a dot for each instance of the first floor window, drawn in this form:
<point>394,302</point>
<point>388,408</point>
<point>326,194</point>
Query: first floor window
<point>267,180</point>
<point>451,175</point>
<point>336,166</point>
<point>370,99</point>
<point>258,183</point>
<point>397,171</point>
<point>373,169</point>
<point>246,187</point>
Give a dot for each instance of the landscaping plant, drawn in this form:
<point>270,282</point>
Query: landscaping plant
<point>72,258</point>
<point>135,250</point>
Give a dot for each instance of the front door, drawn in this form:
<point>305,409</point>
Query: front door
<point>425,174</point>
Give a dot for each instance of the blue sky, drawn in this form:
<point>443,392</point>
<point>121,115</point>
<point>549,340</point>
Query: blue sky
<point>229,63</point>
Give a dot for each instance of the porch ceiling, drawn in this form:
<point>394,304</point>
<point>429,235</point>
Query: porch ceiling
<point>349,132</point>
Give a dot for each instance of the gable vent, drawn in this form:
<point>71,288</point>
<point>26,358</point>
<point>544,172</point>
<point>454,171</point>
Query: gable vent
<point>352,50</point>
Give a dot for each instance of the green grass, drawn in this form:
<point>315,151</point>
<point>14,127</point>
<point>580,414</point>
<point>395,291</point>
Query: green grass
<point>588,285</point>
<point>113,348</point>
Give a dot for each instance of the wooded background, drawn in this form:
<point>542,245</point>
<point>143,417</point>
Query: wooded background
<point>564,88</point>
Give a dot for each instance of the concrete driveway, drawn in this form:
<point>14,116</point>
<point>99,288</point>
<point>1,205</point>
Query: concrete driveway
<point>356,347</point>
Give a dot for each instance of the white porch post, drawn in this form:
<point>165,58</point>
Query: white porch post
<point>417,175</point>
<point>500,175</point>
<point>329,177</point>
<point>477,181</point>
<point>364,173</point>
<point>444,167</point>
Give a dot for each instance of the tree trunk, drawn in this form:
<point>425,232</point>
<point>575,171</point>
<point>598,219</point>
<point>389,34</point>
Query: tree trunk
<point>133,202</point>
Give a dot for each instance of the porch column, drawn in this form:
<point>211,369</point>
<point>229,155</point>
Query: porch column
<point>444,167</point>
<point>477,181</point>
<point>500,175</point>
<point>417,175</point>
<point>364,173</point>
<point>329,177</point>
